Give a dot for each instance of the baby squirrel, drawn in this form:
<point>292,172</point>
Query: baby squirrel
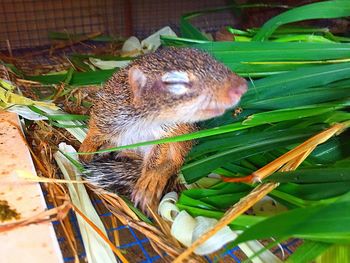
<point>158,95</point>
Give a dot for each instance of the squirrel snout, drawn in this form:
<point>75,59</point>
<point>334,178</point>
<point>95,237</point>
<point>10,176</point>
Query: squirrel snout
<point>235,91</point>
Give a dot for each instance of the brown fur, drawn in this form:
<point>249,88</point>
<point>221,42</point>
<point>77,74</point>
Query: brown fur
<point>141,102</point>
<point>93,141</point>
<point>163,162</point>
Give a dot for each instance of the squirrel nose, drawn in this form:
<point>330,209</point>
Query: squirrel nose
<point>236,91</point>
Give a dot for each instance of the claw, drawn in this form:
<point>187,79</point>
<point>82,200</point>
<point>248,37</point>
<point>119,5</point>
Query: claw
<point>135,200</point>
<point>145,197</point>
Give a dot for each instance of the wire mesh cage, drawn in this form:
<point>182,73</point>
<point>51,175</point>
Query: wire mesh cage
<point>139,249</point>
<point>26,24</point>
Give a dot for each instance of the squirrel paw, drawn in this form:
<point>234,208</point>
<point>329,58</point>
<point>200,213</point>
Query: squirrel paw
<point>86,158</point>
<point>146,194</point>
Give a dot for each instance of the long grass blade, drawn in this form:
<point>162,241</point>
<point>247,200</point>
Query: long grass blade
<point>320,10</point>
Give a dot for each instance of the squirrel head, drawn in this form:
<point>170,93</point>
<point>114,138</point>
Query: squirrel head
<point>183,85</point>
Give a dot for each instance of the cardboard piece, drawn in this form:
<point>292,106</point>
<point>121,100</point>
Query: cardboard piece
<point>32,243</point>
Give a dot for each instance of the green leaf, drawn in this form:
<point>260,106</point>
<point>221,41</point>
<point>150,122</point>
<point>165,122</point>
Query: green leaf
<point>293,113</point>
<point>186,200</point>
<point>60,117</point>
<point>244,52</point>
<point>142,216</point>
<point>223,188</point>
<point>308,251</point>
<point>316,191</point>
<point>180,41</point>
<point>79,64</point>
<point>335,254</point>
<point>240,222</point>
<point>294,29</point>
<point>77,79</point>
<point>217,199</point>
<point>313,175</point>
<point>331,151</point>
<point>197,169</point>
<point>302,98</point>
<point>188,30</point>
<point>224,201</point>
<point>320,10</point>
<point>325,222</point>
<point>303,38</point>
<point>295,81</point>
<point>240,138</point>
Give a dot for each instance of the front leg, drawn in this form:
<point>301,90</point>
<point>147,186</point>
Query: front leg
<point>150,186</point>
<point>163,162</point>
<point>93,141</point>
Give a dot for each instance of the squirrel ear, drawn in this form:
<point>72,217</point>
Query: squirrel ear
<point>137,81</point>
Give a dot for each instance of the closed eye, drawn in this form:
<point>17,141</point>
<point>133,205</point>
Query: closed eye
<point>176,82</point>
<point>175,77</point>
<point>177,88</point>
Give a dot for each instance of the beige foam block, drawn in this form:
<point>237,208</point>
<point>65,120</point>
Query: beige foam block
<point>32,243</point>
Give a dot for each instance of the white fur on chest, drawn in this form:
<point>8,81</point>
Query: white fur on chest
<point>140,132</point>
